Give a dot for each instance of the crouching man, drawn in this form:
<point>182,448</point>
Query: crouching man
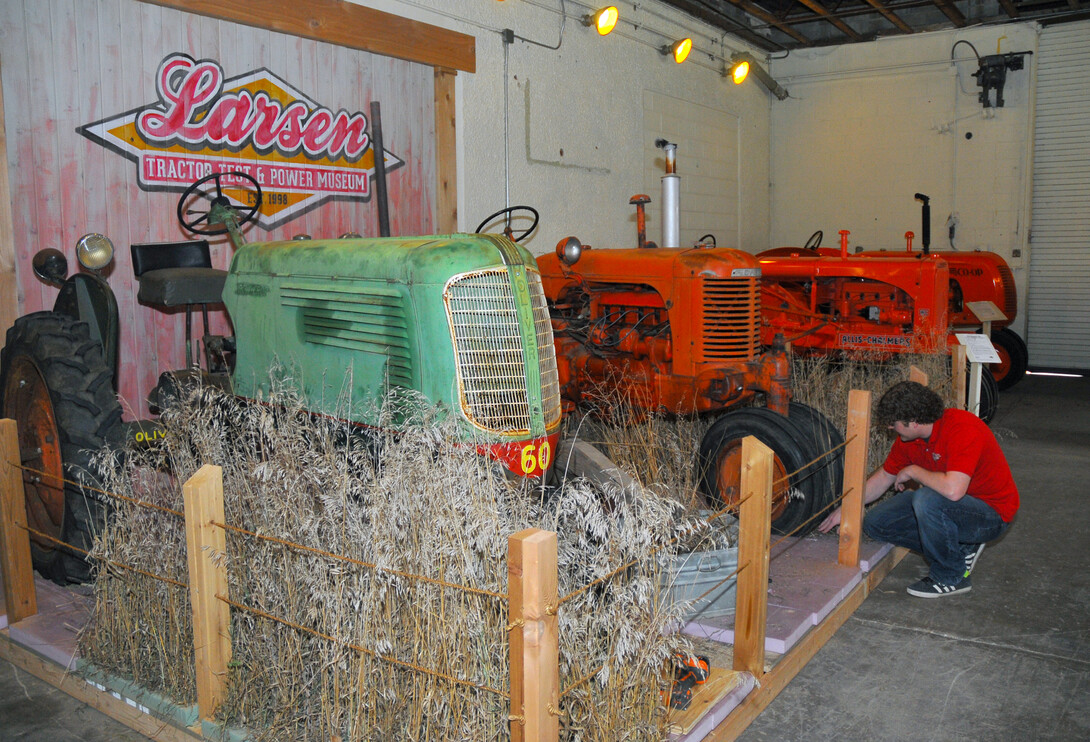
<point>964,494</point>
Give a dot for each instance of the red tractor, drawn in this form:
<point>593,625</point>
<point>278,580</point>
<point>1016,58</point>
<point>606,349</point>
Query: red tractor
<point>978,276</point>
<point>974,276</point>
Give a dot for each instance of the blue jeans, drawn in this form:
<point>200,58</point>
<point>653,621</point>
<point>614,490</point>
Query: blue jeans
<point>941,529</point>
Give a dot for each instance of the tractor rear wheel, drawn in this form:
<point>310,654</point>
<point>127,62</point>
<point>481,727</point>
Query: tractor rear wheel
<point>1013,358</point>
<point>55,384</point>
<point>719,464</point>
<point>989,393</point>
<point>828,472</point>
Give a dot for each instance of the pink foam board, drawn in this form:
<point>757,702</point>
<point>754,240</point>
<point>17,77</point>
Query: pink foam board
<point>52,631</point>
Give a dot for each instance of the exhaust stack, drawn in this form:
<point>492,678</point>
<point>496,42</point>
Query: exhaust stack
<point>671,196</point>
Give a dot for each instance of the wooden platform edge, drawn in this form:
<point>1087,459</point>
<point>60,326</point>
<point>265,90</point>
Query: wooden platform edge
<point>101,700</point>
<point>776,679</point>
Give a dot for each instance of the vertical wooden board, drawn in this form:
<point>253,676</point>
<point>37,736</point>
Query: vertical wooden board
<point>446,181</point>
<point>16,570</point>
<point>205,543</point>
<point>957,373</point>
<point>855,476</point>
<point>41,159</point>
<point>9,285</point>
<point>917,375</point>
<point>72,207</point>
<point>156,40</point>
<point>534,640</point>
<point>754,527</point>
<point>13,74</point>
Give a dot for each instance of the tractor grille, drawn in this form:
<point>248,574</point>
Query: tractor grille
<point>1010,293</point>
<point>488,349</point>
<point>730,321</point>
<point>356,318</point>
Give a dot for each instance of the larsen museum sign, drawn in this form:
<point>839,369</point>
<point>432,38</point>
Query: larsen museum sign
<point>303,154</point>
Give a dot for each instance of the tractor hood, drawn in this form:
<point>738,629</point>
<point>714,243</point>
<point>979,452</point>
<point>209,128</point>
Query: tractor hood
<point>430,259</point>
<point>351,319</point>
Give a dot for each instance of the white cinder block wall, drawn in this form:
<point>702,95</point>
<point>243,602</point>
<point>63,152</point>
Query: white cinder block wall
<point>582,121</point>
<point>869,125</point>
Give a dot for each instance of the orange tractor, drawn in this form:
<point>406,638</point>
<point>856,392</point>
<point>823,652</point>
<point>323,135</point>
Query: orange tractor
<point>676,331</point>
<point>973,277</point>
<point>976,276</point>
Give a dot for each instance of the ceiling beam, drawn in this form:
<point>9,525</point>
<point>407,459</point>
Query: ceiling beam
<point>840,25</point>
<point>893,18</point>
<point>951,12</point>
<point>1008,6</point>
<point>718,17</point>
<point>763,15</point>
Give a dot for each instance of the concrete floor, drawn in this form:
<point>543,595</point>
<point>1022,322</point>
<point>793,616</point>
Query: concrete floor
<point>1008,661</point>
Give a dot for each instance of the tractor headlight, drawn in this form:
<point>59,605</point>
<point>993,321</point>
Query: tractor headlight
<point>94,251</point>
<point>569,249</point>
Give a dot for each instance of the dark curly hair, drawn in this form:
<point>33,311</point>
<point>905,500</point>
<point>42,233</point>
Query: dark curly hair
<point>909,402</point>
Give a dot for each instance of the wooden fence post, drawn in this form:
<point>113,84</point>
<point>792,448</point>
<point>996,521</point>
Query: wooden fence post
<point>958,374</point>
<point>915,374</point>
<point>15,563</point>
<point>534,643</point>
<point>855,477</point>
<point>203,498</point>
<point>754,528</point>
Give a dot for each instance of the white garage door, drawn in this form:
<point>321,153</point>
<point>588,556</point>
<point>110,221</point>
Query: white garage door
<point>1058,300</point>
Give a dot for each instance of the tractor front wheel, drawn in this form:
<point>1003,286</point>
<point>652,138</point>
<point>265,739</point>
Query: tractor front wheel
<point>720,465</point>
<point>55,385</point>
<point>1013,358</point>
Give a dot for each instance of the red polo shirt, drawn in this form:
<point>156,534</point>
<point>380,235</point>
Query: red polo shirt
<point>960,441</point>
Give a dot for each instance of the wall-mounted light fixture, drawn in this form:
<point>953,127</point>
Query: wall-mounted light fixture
<point>739,71</point>
<point>603,20</point>
<point>679,50</point>
<point>735,71</point>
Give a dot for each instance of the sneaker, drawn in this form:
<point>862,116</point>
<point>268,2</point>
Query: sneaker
<point>970,559</point>
<point>928,588</point>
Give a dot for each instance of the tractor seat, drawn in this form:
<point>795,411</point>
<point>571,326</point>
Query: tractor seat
<point>180,274</point>
<point>177,274</point>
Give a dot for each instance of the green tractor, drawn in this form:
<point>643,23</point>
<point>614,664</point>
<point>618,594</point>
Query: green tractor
<point>459,319</point>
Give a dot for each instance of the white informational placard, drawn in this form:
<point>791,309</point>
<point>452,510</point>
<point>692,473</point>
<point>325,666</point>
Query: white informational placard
<point>978,348</point>
<point>985,311</point>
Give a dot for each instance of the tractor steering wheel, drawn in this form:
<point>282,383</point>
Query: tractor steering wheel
<point>507,229</point>
<point>220,207</point>
<point>815,238</point>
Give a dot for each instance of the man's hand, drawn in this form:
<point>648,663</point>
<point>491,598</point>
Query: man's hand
<point>906,475</point>
<point>830,522</point>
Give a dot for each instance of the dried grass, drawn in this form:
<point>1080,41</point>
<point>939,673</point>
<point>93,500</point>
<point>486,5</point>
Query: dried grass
<point>424,504</point>
<point>419,503</point>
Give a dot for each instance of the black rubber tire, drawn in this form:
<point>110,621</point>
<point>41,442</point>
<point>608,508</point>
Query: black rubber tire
<point>1013,347</point>
<point>828,473</point>
<point>989,396</point>
<point>53,356</point>
<point>790,445</point>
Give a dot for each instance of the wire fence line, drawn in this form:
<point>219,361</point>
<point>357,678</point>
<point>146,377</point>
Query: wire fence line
<point>408,666</point>
<point>272,539</point>
<point>115,495</point>
<point>360,562</point>
<point>104,560</point>
<point>709,519</point>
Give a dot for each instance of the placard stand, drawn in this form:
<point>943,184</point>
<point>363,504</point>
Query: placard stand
<point>979,348</point>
